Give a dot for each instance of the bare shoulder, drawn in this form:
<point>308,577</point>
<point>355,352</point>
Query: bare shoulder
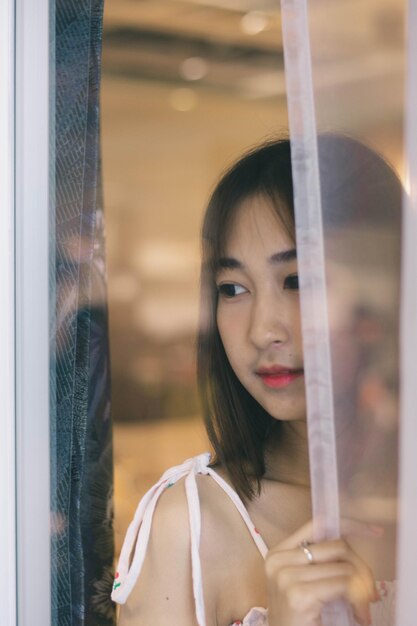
<point>163,592</point>
<point>233,568</point>
<point>221,520</point>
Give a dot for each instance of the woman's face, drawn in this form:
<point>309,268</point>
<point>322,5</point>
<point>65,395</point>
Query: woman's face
<point>258,313</point>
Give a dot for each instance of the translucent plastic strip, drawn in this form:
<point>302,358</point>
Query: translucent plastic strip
<point>310,254</point>
<point>311,265</point>
<point>407,536</point>
<point>7,326</point>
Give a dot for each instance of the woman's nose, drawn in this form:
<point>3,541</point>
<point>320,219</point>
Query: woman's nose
<point>268,323</point>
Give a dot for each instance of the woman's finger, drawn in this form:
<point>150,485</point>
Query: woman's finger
<point>291,575</point>
<point>309,598</point>
<point>323,552</point>
<point>336,551</point>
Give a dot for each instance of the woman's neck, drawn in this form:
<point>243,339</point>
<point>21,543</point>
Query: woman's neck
<point>286,455</point>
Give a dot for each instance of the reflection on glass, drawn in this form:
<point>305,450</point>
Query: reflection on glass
<point>361,201</point>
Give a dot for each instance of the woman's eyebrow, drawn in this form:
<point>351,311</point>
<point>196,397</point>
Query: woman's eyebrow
<point>230,263</point>
<point>284,257</point>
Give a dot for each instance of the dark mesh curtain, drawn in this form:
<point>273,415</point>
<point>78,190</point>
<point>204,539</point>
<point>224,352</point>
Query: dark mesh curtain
<point>82,481</point>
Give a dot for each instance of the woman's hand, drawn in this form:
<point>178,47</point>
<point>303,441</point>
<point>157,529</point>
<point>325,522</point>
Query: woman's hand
<point>298,590</point>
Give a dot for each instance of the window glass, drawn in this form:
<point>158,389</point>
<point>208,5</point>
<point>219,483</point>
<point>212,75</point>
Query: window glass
<point>186,88</point>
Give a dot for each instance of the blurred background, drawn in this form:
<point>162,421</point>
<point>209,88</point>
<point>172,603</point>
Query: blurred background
<point>187,85</point>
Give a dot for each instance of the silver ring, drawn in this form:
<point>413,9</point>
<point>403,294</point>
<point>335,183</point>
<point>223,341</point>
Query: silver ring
<point>304,547</point>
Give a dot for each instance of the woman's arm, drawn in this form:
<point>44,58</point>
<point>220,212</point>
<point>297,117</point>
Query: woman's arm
<point>298,590</point>
<point>163,594</point>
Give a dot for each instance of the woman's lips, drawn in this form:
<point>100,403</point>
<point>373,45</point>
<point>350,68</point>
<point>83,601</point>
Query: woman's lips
<point>278,378</point>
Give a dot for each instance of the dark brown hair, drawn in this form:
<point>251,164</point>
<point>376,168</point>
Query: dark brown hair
<point>357,186</point>
<point>237,425</point>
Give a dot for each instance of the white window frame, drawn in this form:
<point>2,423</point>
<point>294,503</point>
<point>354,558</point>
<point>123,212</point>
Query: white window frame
<point>31,313</point>
<point>7,314</point>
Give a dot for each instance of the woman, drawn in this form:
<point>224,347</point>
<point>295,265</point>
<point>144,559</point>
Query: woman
<point>230,541</point>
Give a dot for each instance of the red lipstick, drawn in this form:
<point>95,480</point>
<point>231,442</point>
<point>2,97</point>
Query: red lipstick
<point>277,377</point>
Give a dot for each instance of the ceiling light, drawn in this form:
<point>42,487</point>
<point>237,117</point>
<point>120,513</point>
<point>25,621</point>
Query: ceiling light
<point>193,68</point>
<point>253,22</point>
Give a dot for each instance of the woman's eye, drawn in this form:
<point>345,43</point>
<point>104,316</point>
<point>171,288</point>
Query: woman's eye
<point>291,282</point>
<point>230,290</point>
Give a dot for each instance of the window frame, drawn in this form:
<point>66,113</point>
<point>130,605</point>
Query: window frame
<point>33,246</point>
<point>7,307</point>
